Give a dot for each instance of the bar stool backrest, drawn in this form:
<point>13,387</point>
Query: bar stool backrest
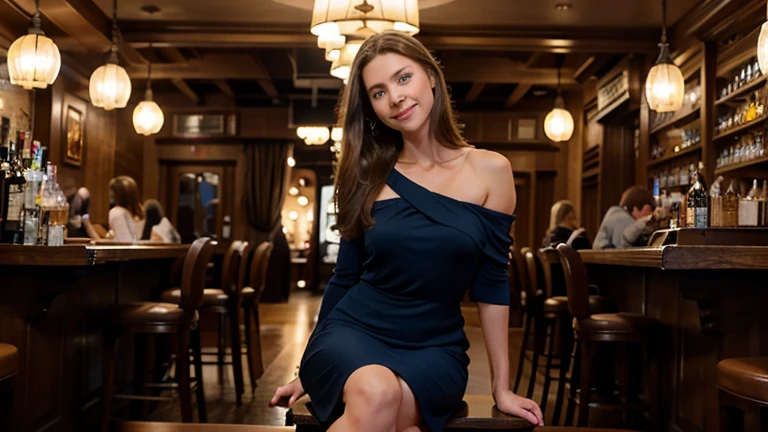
<point>193,273</point>
<point>575,281</point>
<point>229,266</point>
<point>259,266</point>
<point>239,270</point>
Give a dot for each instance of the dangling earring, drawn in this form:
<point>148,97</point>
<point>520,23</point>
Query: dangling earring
<point>374,127</point>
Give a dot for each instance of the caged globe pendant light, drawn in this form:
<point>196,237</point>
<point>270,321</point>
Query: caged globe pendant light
<point>34,60</point>
<point>148,118</point>
<point>664,86</point>
<point>558,125</point>
<point>110,86</point>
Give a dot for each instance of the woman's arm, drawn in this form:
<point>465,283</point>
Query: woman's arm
<point>349,268</point>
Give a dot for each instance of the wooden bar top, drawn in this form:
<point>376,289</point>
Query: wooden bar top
<point>675,257</point>
<point>85,254</point>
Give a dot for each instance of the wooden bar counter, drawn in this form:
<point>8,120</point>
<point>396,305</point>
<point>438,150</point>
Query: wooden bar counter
<point>712,301</point>
<point>52,301</point>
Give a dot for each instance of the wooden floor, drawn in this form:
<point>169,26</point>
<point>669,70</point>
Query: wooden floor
<point>285,330</point>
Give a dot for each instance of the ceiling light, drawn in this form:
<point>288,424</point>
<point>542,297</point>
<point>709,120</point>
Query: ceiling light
<point>293,215</point>
<point>303,201</point>
<point>340,68</point>
<point>291,162</point>
<point>364,17</point>
<point>313,135</point>
<point>34,60</point>
<point>293,191</point>
<point>558,125</point>
<point>148,118</point>
<point>762,49</point>
<point>664,86</point>
<point>110,86</point>
<point>563,6</point>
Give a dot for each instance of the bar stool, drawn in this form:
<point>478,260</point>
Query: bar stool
<point>251,297</point>
<point>743,385</point>
<point>225,303</point>
<point>9,367</point>
<point>163,318</point>
<point>598,329</point>
<point>530,304</point>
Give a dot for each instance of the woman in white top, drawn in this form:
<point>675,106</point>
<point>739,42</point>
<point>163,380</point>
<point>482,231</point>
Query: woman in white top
<point>126,217</point>
<point>157,227</point>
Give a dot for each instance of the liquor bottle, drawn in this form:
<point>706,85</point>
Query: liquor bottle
<point>748,207</point>
<point>731,206</point>
<point>716,203</point>
<point>751,113</point>
<point>54,210</point>
<point>698,202</point>
<point>11,229</point>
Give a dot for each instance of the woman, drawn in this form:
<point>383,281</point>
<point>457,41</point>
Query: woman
<point>564,227</point>
<point>157,227</point>
<point>126,215</point>
<point>423,217</point>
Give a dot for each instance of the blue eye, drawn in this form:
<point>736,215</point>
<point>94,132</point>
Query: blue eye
<point>404,78</point>
<point>378,94</point>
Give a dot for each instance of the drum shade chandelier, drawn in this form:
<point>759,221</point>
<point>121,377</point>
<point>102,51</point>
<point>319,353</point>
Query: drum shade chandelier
<point>34,60</point>
<point>762,48</point>
<point>558,124</point>
<point>363,18</point>
<point>148,118</point>
<point>664,86</point>
<point>340,67</point>
<point>110,86</point>
<point>314,135</point>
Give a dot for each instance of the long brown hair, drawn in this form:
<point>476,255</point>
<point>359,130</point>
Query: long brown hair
<point>126,194</point>
<point>369,148</point>
<point>559,211</point>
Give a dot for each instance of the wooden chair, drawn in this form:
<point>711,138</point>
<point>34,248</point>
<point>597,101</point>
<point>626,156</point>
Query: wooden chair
<point>530,304</point>
<point>9,368</point>
<point>224,301</point>
<point>592,330</point>
<point>743,387</point>
<point>251,296</point>
<point>177,320</point>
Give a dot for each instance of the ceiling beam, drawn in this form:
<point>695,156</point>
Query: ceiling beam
<point>184,88</point>
<point>474,92</point>
<point>501,71</point>
<point>533,59</point>
<point>590,67</point>
<point>225,88</point>
<point>173,55</point>
<point>265,83</point>
<point>517,94</point>
<point>212,67</point>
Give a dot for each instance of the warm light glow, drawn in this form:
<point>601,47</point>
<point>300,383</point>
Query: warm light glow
<point>310,216</point>
<point>332,54</point>
<point>293,215</point>
<point>364,17</point>
<point>558,125</point>
<point>762,49</point>
<point>110,87</point>
<point>664,86</point>
<point>301,284</point>
<point>335,41</point>
<point>148,118</point>
<point>313,135</point>
<point>291,161</point>
<point>293,191</point>
<point>34,61</point>
<point>337,134</point>
<point>303,201</point>
<point>341,67</point>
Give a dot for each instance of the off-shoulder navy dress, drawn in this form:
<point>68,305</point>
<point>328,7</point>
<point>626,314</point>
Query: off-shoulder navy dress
<point>394,299</point>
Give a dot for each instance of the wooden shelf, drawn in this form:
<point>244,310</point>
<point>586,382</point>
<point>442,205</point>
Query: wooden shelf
<point>735,54</point>
<point>740,165</point>
<point>742,91</point>
<point>669,157</point>
<point>678,118</point>
<point>738,129</point>
<point>594,172</point>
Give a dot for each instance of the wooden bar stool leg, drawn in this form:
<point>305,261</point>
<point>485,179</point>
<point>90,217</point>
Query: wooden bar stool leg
<point>587,354</point>
<point>257,348</point>
<point>551,325</point>
<point>139,374</point>
<point>521,360</point>
<point>202,412</point>
<point>247,316</point>
<point>182,374</point>
<point>539,335</point>
<point>109,355</point>
<point>222,346</point>
<point>237,356</point>
<point>574,385</point>
<point>565,363</point>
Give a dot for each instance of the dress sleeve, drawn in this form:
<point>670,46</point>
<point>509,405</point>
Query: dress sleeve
<point>491,284</point>
<point>349,268</point>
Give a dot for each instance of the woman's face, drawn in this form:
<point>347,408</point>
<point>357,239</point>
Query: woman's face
<point>400,91</point>
<point>570,220</point>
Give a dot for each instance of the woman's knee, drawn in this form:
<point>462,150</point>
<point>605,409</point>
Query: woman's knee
<point>373,387</point>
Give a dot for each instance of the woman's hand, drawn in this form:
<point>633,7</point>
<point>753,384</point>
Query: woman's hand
<point>512,404</point>
<point>293,391</point>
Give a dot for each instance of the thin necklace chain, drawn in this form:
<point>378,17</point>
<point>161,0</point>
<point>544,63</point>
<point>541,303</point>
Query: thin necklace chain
<point>436,162</point>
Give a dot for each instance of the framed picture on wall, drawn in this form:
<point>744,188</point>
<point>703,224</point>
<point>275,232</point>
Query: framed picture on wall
<point>73,130</point>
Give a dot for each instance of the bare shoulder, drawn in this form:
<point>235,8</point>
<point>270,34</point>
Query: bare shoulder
<point>495,171</point>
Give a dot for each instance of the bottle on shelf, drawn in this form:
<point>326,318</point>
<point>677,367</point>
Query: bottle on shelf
<point>716,203</point>
<point>749,207</point>
<point>731,206</point>
<point>697,213</point>
<point>11,225</point>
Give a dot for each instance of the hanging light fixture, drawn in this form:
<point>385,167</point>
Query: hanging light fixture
<point>340,67</point>
<point>313,135</point>
<point>762,48</point>
<point>558,124</point>
<point>148,118</point>
<point>34,60</point>
<point>364,17</point>
<point>110,86</point>
<point>664,87</point>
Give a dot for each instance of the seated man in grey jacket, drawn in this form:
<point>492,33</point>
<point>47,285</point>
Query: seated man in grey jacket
<point>624,224</point>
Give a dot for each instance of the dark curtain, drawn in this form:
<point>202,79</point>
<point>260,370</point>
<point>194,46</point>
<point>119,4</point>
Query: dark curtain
<point>266,178</point>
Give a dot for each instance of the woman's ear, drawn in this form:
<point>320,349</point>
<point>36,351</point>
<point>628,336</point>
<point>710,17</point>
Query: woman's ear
<point>431,79</point>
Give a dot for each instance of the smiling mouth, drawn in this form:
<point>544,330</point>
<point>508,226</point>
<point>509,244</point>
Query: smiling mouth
<point>405,114</point>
